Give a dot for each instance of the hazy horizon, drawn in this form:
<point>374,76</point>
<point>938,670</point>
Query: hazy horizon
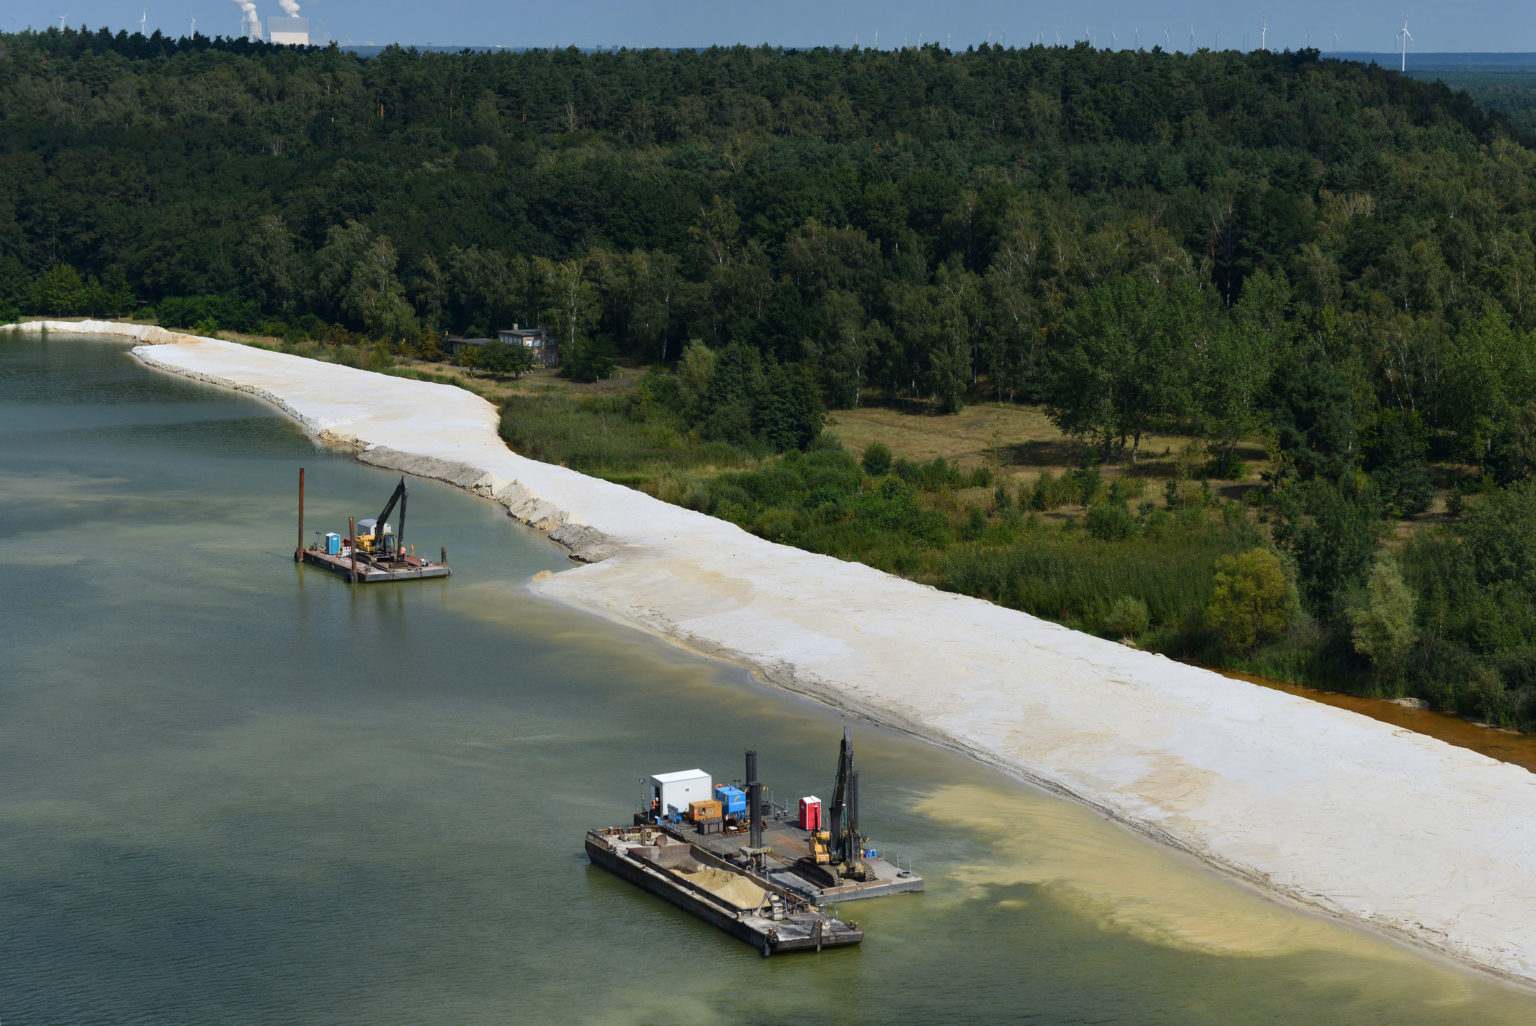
<point>1473,26</point>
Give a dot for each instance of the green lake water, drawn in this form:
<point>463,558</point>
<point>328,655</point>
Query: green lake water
<point>233,789</point>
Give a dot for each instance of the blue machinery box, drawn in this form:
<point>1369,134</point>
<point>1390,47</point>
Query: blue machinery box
<point>733,800</point>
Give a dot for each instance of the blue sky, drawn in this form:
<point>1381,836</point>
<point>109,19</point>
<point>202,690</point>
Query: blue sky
<point>1448,25</point>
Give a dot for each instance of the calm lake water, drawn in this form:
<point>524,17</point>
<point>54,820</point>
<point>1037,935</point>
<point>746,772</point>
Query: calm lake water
<point>235,789</point>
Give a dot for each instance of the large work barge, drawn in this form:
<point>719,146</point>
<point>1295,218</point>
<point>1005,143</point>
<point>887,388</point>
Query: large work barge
<point>722,893</point>
<point>751,866</point>
<point>372,551</point>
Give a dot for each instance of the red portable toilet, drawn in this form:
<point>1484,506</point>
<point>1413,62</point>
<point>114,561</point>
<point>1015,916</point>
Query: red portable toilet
<point>810,813</point>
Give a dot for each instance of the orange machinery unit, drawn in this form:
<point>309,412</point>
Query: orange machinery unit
<point>707,809</point>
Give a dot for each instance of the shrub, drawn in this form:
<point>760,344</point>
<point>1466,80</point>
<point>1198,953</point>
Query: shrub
<point>1086,483</point>
<point>826,441</point>
<point>1127,618</point>
<point>1252,600</point>
<point>1456,501</point>
<point>1110,521</point>
<point>975,524</point>
<point>1226,466</point>
<point>777,525</point>
<point>1043,498</point>
<point>1383,627</point>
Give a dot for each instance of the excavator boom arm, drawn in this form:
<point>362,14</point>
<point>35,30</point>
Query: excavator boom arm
<point>837,822</point>
<point>389,507</point>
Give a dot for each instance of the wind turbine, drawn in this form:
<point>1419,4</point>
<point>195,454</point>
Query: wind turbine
<point>1138,37</point>
<point>1335,40</point>
<point>1264,33</point>
<point>1167,42</point>
<point>143,20</point>
<point>61,21</point>
<point>193,30</point>
<point>1191,39</point>
<point>1403,36</point>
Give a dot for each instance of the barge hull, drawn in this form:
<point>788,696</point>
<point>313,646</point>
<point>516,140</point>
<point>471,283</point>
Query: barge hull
<point>410,568</point>
<point>654,883</point>
<point>798,931</point>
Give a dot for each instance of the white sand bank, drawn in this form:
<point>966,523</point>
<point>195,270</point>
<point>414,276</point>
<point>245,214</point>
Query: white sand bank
<point>1339,811</point>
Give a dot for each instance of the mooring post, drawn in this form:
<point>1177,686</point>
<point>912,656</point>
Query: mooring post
<point>298,550</point>
<point>754,802</point>
<point>352,533</point>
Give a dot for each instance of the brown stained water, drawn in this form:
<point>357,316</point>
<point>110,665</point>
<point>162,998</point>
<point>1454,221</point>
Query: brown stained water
<point>1504,745</point>
<point>233,789</point>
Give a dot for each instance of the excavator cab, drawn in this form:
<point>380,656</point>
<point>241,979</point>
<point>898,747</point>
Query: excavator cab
<point>372,540</point>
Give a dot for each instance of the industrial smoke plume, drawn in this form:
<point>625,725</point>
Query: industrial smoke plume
<point>253,23</point>
<point>249,9</point>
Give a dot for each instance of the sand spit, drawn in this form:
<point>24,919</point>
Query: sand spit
<point>1343,813</point>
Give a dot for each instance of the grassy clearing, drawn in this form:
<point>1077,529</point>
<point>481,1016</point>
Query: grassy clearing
<point>1019,444</point>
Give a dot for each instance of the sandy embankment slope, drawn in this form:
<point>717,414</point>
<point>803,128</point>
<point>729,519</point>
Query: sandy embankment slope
<point>1339,811</point>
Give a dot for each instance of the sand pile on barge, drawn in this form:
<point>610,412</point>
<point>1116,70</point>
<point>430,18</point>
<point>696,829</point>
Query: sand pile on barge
<point>736,891</point>
<point>1344,813</point>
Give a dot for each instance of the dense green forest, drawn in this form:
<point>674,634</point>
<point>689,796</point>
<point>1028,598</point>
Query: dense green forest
<point>1508,87</point>
<point>1328,262</point>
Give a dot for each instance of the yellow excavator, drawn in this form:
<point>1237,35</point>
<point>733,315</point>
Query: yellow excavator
<point>376,537</point>
<point>837,850</point>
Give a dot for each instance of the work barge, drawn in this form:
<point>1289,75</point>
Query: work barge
<point>372,551</point>
<point>718,891</point>
<point>749,865</point>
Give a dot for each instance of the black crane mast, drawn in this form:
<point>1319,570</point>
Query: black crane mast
<point>389,507</point>
<point>847,844</point>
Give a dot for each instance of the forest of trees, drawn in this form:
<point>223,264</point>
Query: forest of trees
<point>1324,258</point>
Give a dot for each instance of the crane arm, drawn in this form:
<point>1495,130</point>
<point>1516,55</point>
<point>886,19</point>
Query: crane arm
<point>837,822</point>
<point>398,497</point>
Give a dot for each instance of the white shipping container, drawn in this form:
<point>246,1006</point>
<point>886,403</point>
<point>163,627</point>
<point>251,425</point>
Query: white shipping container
<point>671,792</point>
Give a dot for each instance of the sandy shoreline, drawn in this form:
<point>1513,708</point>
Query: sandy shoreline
<point>1343,813</point>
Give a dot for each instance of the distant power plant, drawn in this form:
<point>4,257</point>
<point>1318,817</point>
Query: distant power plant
<point>288,31</point>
